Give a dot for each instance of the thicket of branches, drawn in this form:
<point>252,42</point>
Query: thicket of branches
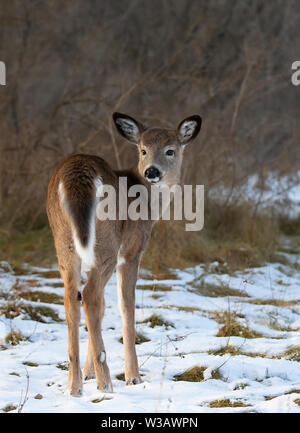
<point>71,64</point>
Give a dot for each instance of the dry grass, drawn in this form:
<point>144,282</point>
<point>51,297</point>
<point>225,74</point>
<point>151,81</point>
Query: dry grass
<point>195,374</point>
<point>292,354</point>
<point>9,408</point>
<point>30,364</point>
<point>226,403</point>
<point>63,366</point>
<point>15,337</point>
<point>273,302</point>
<point>186,309</point>
<point>225,317</point>
<point>35,247</point>
<point>228,349</point>
<point>218,241</point>
<point>121,376</point>
<point>236,351</point>
<point>37,313</point>
<point>235,329</point>
<point>229,236</point>
<point>154,287</point>
<point>156,320</point>
<point>38,296</point>
<point>49,274</point>
<point>232,327</point>
<point>215,291</point>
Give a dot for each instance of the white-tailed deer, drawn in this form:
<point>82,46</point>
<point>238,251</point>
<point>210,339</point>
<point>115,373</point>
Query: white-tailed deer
<point>102,245</point>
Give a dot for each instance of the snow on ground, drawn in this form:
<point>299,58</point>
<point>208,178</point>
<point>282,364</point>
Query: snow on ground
<point>257,375</point>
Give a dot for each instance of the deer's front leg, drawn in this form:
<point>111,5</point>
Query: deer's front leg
<point>89,369</point>
<point>127,276</point>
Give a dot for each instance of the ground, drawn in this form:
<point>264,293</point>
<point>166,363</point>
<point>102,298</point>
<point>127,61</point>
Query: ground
<point>209,341</point>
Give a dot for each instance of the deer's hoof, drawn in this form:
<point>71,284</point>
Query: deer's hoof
<point>76,392</point>
<point>89,376</point>
<point>107,388</point>
<point>133,381</point>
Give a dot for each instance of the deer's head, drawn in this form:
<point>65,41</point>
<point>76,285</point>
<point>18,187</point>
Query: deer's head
<point>160,150</point>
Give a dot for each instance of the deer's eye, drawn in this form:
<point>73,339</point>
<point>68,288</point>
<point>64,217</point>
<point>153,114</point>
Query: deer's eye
<point>170,152</point>
<point>144,152</point>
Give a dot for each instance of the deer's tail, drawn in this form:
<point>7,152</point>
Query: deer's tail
<point>78,198</point>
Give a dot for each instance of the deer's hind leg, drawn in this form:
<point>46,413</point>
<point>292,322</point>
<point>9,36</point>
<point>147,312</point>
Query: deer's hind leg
<point>94,306</point>
<point>70,265</point>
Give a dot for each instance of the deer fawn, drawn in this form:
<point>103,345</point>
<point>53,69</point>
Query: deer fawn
<point>102,245</point>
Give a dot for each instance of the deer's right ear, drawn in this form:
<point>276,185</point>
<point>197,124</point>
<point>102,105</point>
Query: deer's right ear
<point>128,127</point>
<point>188,129</point>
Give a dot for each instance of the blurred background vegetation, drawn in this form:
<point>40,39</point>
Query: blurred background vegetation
<point>71,64</point>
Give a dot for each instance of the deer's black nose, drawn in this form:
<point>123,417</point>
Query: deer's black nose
<point>152,173</point>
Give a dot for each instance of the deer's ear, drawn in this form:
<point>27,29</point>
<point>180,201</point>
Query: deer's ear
<point>188,129</point>
<point>128,127</point>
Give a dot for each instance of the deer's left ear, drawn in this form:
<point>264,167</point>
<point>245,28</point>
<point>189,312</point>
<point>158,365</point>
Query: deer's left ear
<point>188,129</point>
